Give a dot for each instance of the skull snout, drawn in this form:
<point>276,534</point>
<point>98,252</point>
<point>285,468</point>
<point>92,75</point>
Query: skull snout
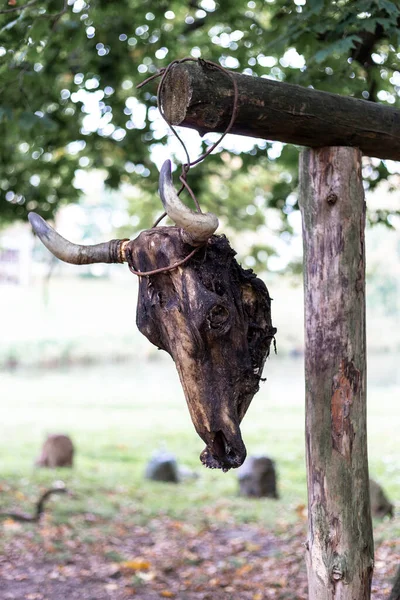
<point>223,451</point>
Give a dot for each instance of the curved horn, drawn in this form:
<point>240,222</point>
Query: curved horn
<point>198,226</point>
<point>108,252</point>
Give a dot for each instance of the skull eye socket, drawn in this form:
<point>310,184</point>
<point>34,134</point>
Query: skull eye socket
<point>218,316</point>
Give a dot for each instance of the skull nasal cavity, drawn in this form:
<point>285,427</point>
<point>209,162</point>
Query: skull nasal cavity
<point>219,447</point>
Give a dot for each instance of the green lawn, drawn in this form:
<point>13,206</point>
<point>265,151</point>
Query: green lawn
<point>118,415</point>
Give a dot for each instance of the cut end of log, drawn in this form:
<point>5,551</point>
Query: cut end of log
<point>194,96</point>
<point>176,95</point>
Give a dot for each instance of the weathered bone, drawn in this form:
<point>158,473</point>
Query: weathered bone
<point>199,227</point>
<point>107,252</point>
<point>214,319</point>
<point>211,316</point>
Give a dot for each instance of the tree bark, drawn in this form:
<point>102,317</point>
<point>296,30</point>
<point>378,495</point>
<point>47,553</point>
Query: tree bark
<point>340,541</point>
<point>199,96</point>
<point>395,593</point>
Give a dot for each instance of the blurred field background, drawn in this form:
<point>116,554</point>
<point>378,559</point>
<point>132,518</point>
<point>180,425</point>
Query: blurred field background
<point>118,415</point>
<point>73,361</point>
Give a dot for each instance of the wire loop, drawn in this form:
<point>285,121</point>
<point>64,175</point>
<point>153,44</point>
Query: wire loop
<point>163,73</point>
<point>129,260</point>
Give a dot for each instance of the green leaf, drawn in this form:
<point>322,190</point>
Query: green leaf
<point>316,6</point>
<point>369,25</point>
<point>48,123</point>
<point>340,47</point>
<point>388,6</point>
<point>40,30</point>
<point>27,120</point>
<point>387,23</point>
<point>5,114</point>
<point>47,61</point>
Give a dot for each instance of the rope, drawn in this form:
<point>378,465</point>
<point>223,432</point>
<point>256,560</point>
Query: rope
<point>129,259</point>
<point>186,166</point>
<point>163,73</point>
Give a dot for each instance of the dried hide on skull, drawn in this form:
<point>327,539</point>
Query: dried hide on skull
<point>209,314</point>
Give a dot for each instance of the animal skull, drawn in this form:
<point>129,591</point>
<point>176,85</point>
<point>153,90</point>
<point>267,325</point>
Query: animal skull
<point>210,315</point>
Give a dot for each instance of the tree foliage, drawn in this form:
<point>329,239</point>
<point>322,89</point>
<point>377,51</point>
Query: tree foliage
<point>68,98</point>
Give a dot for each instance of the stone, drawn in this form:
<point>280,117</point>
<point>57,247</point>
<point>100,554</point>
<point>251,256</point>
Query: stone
<point>57,451</point>
<point>187,474</point>
<point>257,478</point>
<point>380,505</point>
<point>163,466</point>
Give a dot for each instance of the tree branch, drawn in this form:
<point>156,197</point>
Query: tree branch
<point>194,95</point>
<point>39,507</point>
<point>55,18</point>
<point>16,8</point>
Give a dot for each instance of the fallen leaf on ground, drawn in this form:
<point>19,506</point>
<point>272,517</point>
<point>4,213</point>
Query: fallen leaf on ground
<point>243,570</point>
<point>9,523</point>
<point>137,564</point>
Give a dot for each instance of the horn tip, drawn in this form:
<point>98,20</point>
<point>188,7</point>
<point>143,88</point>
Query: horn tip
<point>165,182</point>
<point>166,163</point>
<point>38,224</point>
<point>166,168</point>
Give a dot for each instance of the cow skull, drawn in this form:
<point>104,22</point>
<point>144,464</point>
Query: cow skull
<point>210,315</point>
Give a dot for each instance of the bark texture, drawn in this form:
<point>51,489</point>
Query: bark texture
<point>395,594</point>
<point>201,97</point>
<point>340,542</point>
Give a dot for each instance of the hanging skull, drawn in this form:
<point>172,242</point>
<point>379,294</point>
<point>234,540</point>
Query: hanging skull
<point>210,315</point>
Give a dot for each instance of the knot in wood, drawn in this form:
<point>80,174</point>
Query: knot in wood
<point>331,198</point>
<point>337,574</point>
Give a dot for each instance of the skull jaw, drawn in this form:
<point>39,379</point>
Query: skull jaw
<point>212,462</point>
<point>217,417</point>
<point>219,454</point>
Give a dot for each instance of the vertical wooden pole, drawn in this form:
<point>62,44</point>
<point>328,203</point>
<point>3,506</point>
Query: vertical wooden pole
<point>340,541</point>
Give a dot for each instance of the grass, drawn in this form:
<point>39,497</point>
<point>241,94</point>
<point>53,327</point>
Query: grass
<point>119,415</point>
<point>77,320</point>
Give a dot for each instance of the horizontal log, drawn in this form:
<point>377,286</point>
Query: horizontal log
<point>200,96</point>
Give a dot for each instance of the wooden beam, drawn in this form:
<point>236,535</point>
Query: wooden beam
<point>340,543</point>
<point>198,96</point>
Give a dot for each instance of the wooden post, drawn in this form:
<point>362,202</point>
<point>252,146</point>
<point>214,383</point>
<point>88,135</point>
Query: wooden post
<point>340,544</point>
<point>340,541</point>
